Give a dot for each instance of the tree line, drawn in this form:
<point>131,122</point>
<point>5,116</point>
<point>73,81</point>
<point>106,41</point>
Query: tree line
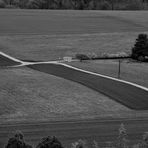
<point>122,141</point>
<point>76,4</point>
<point>139,52</point>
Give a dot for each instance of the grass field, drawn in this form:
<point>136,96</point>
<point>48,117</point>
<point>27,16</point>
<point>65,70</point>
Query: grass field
<point>50,35</point>
<point>27,95</point>
<point>48,47</point>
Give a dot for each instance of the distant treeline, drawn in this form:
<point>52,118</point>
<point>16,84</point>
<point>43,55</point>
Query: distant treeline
<point>76,4</point>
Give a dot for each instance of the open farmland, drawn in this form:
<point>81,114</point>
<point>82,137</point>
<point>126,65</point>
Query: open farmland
<point>31,96</point>
<point>48,47</point>
<point>28,95</point>
<point>49,35</point>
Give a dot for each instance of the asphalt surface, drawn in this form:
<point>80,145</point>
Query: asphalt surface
<point>128,95</point>
<point>70,131</point>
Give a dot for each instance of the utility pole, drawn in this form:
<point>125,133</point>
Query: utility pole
<point>119,69</point>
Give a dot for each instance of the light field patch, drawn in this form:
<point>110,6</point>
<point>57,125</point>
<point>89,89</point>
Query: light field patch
<point>26,94</point>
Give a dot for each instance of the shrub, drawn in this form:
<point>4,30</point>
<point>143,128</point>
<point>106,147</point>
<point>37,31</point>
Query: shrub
<point>82,57</point>
<point>49,142</point>
<point>79,144</point>
<point>145,138</point>
<point>92,55</point>
<point>2,4</point>
<point>17,141</point>
<point>122,141</point>
<point>130,5</point>
<point>140,49</point>
<point>134,5</point>
<point>22,4</point>
<point>37,4</point>
<point>104,5</point>
<point>34,4</point>
<point>10,6</point>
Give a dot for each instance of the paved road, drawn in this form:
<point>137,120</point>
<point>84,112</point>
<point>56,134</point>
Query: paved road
<point>130,96</point>
<point>68,132</point>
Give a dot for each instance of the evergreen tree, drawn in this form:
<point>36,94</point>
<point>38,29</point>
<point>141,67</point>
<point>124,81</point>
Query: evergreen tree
<point>144,143</point>
<point>140,49</point>
<point>17,141</point>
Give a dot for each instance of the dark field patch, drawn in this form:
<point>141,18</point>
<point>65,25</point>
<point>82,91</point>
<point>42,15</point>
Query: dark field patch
<point>4,61</point>
<point>128,95</point>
